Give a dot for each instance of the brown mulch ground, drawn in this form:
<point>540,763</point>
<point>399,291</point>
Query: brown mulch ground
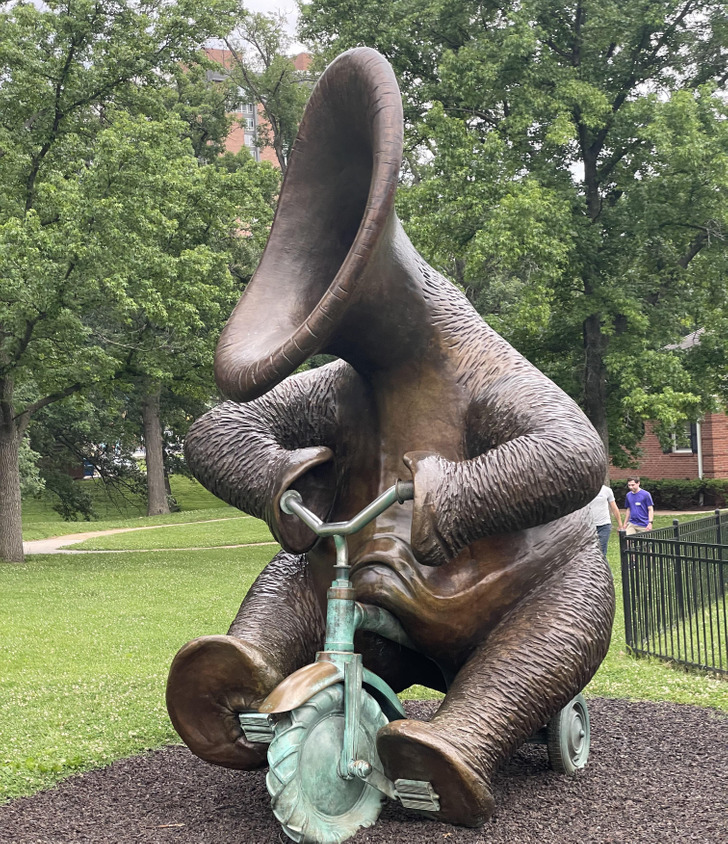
<point>657,773</point>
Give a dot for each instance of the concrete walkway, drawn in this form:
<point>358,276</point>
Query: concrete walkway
<point>57,544</point>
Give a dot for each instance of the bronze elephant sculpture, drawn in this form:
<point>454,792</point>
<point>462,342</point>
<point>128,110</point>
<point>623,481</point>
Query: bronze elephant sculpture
<point>493,570</point>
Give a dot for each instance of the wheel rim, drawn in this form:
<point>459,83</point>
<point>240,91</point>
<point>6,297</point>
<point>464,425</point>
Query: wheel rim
<point>568,737</point>
<point>312,802</point>
<point>320,751</point>
<point>575,736</point>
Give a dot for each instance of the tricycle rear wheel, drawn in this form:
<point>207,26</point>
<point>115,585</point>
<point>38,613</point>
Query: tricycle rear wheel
<point>568,737</point>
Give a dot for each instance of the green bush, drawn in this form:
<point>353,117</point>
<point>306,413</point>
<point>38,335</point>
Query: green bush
<point>679,494</point>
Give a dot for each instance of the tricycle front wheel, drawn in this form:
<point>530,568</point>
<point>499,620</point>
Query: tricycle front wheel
<point>310,799</point>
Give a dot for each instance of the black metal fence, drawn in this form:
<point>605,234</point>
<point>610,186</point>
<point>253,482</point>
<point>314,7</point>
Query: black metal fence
<point>675,588</point>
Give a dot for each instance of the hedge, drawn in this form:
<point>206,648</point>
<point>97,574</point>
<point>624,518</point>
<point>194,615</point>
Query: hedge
<point>672,494</point>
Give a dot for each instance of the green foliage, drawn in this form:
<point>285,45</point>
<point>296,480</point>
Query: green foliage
<point>31,482</point>
<point>72,500</point>
<point>87,430</point>
<point>203,108</point>
<point>120,255</point>
<point>91,167</point>
<point>263,70</point>
<point>566,166</point>
<point>678,494</point>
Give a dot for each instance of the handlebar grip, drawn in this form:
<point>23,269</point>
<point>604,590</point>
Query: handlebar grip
<point>405,491</point>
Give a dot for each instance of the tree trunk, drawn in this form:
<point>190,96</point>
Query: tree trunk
<point>171,500</point>
<point>11,523</point>
<point>157,503</point>
<point>595,342</point>
<point>595,377</point>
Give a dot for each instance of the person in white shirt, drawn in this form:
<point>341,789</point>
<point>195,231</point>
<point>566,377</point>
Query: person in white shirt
<point>600,508</point>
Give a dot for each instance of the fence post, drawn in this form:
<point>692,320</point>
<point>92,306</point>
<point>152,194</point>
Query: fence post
<point>718,540</point>
<point>721,585</point>
<point>626,590</point>
<point>679,597</point>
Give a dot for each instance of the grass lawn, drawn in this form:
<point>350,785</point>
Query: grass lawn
<point>85,646</point>
<point>86,642</point>
<point>41,521</point>
<point>232,531</point>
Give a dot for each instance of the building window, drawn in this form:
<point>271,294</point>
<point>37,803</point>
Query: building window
<point>245,107</point>
<point>685,439</point>
<point>249,123</point>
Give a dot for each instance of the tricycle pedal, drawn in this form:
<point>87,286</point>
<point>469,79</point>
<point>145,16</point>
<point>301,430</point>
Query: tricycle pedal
<point>257,727</point>
<point>417,794</point>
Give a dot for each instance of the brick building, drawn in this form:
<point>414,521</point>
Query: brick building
<point>699,451</point>
<point>244,131</point>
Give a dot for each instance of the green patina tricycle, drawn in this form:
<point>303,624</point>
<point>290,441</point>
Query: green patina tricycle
<point>325,778</point>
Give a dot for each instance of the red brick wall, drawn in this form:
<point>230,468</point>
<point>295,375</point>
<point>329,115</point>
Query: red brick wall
<point>221,55</point>
<point>655,464</point>
<point>302,61</point>
<point>266,153</point>
<point>236,138</point>
<point>715,446</point>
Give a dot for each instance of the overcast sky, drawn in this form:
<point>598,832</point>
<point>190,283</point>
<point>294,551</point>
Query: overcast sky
<point>288,8</point>
<point>285,7</point>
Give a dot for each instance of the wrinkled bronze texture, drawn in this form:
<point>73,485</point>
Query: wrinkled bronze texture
<point>493,571</point>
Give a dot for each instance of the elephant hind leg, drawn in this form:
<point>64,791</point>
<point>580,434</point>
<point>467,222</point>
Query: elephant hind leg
<point>212,679</point>
<point>531,665</point>
<point>413,750</point>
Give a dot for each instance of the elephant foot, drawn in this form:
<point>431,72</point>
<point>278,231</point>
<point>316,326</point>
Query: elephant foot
<point>414,750</point>
<point>211,680</point>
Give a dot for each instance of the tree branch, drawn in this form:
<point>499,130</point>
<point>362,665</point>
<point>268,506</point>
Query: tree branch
<point>697,243</point>
<point>614,159</point>
<point>23,418</point>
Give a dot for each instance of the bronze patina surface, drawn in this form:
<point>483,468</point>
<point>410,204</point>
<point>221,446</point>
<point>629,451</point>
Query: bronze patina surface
<point>493,570</point>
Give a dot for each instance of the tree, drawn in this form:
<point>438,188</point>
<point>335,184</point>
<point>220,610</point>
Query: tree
<point>264,71</point>
<point>568,169</point>
<point>206,109</point>
<point>181,224</point>
<point>85,229</point>
<point>31,482</point>
<point>89,429</point>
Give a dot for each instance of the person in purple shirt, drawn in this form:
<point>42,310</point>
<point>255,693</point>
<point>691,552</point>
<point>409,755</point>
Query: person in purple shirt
<point>639,508</point>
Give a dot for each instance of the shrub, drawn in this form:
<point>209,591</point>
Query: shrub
<point>679,494</point>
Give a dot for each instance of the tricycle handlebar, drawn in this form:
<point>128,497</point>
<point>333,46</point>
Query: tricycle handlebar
<point>292,504</point>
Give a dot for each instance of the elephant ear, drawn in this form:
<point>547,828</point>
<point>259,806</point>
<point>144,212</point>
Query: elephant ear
<point>336,198</point>
<point>311,472</point>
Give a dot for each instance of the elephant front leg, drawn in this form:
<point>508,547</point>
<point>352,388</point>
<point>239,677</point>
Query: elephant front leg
<point>278,629</point>
<point>537,659</point>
